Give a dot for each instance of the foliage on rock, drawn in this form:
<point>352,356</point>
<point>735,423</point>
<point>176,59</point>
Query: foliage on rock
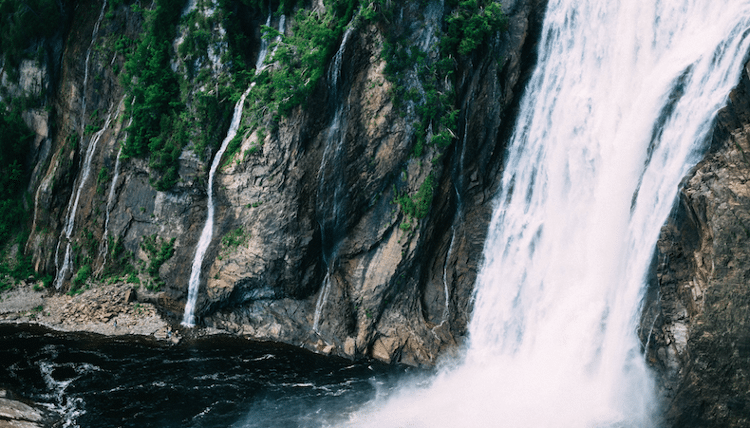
<point>24,23</point>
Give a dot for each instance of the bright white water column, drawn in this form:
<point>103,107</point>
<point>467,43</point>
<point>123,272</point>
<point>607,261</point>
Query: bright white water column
<point>616,112</point>
<point>188,318</point>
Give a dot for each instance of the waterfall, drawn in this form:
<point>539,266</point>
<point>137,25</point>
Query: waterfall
<point>104,248</point>
<point>446,287</point>
<point>618,109</point>
<point>111,194</point>
<point>331,180</point>
<point>86,64</point>
<point>62,271</point>
<point>263,46</point>
<point>188,318</point>
<point>282,25</point>
<point>73,207</point>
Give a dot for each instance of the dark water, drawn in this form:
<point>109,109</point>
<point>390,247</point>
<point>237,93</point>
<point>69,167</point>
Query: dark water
<point>218,382</point>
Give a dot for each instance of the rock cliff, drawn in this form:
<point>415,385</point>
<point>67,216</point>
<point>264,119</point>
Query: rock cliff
<point>342,223</point>
<point>695,323</point>
<point>339,226</point>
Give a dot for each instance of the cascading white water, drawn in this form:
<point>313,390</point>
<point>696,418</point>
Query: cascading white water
<point>618,109</point>
<point>282,25</point>
<point>330,181</point>
<point>188,318</point>
<point>264,43</point>
<point>73,208</point>
<point>446,289</point>
<point>104,248</point>
<point>263,47</point>
<point>86,63</point>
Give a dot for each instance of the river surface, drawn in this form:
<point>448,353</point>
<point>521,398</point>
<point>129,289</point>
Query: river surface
<point>93,381</point>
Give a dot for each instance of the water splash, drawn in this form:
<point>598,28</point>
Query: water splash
<point>618,109</point>
<point>188,318</point>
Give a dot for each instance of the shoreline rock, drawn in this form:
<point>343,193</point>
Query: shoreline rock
<point>116,310</point>
<point>23,414</point>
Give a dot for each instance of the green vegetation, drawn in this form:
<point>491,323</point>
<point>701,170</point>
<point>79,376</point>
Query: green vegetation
<point>79,280</point>
<point>15,139</point>
<point>119,260</point>
<point>302,57</point>
<point>156,131</point>
<point>234,239</point>
<point>23,23</point>
<point>467,24</point>
<point>83,252</point>
<point>159,251</point>
<point>171,108</point>
<point>470,23</point>
<point>101,180</point>
<point>416,206</point>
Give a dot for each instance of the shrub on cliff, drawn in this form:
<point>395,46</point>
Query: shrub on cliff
<point>155,92</point>
<point>15,138</point>
<point>24,22</point>
<point>470,23</point>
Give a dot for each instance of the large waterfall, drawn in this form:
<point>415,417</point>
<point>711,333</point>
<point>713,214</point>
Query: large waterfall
<point>619,108</point>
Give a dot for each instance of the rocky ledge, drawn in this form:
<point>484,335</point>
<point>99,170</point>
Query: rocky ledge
<point>115,310</point>
<point>20,414</point>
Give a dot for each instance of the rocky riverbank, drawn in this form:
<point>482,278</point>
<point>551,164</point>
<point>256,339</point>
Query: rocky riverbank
<point>115,310</point>
<point>16,413</point>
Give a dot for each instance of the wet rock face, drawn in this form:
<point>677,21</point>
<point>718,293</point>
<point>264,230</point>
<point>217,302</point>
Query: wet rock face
<point>365,286</point>
<point>15,413</point>
<point>698,313</point>
<point>310,246</point>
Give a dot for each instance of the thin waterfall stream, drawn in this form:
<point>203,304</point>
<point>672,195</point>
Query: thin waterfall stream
<point>188,318</point>
<point>263,47</point>
<point>331,180</point>
<point>67,233</point>
<point>618,109</point>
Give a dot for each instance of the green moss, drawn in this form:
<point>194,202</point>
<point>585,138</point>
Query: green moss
<point>119,260</point>
<point>302,57</point>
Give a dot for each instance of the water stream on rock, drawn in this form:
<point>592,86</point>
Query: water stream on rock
<point>62,271</point>
<point>70,222</point>
<point>188,318</point>
<point>331,179</point>
<point>263,46</point>
<point>619,108</point>
<point>104,247</point>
